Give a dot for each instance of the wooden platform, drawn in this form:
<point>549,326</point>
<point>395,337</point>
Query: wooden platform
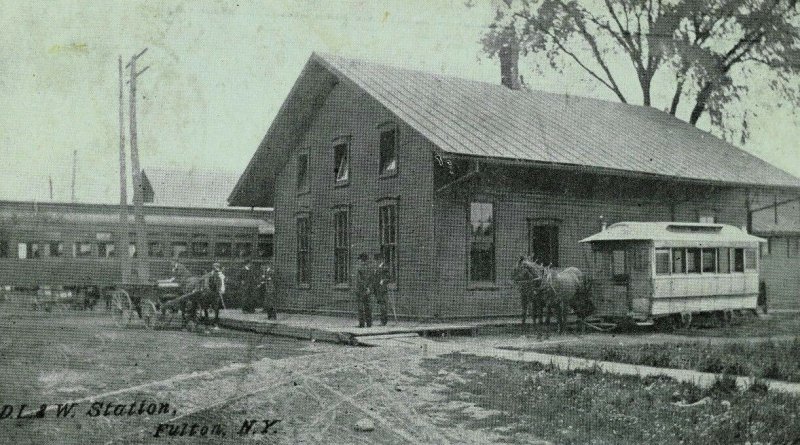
<point>346,330</point>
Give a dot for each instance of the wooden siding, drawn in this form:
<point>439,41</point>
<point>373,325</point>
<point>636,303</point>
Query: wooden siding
<point>781,273</point>
<point>350,112</point>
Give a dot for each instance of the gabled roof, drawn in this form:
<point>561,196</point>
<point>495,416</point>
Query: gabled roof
<point>188,188</point>
<point>486,120</point>
<point>672,231</point>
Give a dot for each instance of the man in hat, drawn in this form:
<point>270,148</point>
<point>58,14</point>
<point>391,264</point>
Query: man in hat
<point>180,273</point>
<point>380,286</point>
<point>268,287</point>
<point>248,287</point>
<point>362,279</point>
<point>216,284</point>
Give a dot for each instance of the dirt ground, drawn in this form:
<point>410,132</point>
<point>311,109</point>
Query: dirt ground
<point>285,391</point>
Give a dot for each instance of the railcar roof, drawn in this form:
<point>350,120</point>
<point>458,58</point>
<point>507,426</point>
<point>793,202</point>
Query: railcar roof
<point>672,231</point>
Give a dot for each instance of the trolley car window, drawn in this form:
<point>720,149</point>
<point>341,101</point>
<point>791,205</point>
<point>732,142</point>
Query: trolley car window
<point>55,249</point>
<point>738,260</point>
<point>678,261</point>
<point>155,249</point>
<point>709,260</point>
<point>199,249</point>
<point>662,262</point>
<point>725,260</point>
<point>223,250</point>
<point>693,260</point>
<point>750,259</point>
<point>22,251</point>
<point>105,250</point>
<point>3,249</point>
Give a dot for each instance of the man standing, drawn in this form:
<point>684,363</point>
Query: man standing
<point>380,287</point>
<point>362,277</point>
<point>216,285</point>
<point>248,285</point>
<point>180,273</point>
<point>268,281</point>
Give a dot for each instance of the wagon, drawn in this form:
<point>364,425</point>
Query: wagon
<point>664,272</point>
<point>159,305</point>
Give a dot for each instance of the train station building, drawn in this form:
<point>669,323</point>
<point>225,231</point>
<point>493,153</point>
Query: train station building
<point>452,180</point>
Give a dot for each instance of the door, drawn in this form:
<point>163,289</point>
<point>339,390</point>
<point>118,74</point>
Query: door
<point>543,242</point>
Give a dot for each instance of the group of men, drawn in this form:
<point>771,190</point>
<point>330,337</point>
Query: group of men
<point>371,278</point>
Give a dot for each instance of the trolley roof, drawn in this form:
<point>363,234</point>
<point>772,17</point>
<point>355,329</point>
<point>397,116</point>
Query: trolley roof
<point>673,231</point>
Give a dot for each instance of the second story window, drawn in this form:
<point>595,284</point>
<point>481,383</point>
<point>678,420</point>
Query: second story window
<point>388,152</point>
<point>302,173</point>
<point>341,161</point>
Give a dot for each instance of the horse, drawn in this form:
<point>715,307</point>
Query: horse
<point>525,277</point>
<point>203,298</point>
<point>560,290</point>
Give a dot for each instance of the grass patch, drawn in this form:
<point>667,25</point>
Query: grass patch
<point>769,359</point>
<point>593,407</point>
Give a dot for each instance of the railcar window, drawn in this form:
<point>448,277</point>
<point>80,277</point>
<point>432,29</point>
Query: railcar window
<point>725,260</point>
<point>223,250</point>
<point>155,249</point>
<point>105,250</point>
<point>709,260</point>
<point>662,262</point>
<point>22,251</point>
<point>678,261</point>
<point>200,249</point>
<point>792,246</point>
<point>243,250</point>
<point>693,260</point>
<point>83,249</point>
<point>3,249</point>
<point>738,260</point>
<point>179,249</point>
<point>750,259</point>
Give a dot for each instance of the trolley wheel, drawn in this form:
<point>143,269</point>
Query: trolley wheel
<point>150,315</point>
<point>123,308</point>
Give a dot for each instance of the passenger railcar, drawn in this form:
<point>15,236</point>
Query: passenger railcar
<point>660,271</point>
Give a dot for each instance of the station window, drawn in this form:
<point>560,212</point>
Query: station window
<point>750,259</point>
<point>302,173</point>
<point>618,269</point>
<point>341,246</point>
<point>388,227</point>
<point>662,262</point>
<point>709,260</point>
<point>678,261</point>
<point>693,260</point>
<point>481,248</point>
<point>341,162</point>
<point>303,250</point>
<point>738,260</point>
<point>223,250</point>
<point>388,152</point>
<point>725,260</point>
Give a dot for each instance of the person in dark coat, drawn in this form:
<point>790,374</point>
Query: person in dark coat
<point>362,279</point>
<point>380,286</point>
<point>248,291</point>
<point>268,289</point>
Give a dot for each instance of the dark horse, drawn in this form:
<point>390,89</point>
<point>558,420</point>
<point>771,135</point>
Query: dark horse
<point>550,290</point>
<point>200,294</point>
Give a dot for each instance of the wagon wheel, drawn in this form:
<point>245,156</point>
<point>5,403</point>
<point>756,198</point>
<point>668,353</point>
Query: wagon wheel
<point>150,315</point>
<point>123,308</point>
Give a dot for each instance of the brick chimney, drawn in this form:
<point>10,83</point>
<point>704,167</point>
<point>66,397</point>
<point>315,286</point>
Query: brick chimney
<point>509,63</point>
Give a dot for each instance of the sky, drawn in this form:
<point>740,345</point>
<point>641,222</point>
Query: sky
<point>218,73</point>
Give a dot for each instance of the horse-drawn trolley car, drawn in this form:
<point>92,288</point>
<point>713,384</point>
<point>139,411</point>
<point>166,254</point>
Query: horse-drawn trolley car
<point>664,272</point>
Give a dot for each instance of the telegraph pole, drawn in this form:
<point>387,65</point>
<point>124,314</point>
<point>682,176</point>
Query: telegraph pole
<point>124,239</point>
<point>141,235</point>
